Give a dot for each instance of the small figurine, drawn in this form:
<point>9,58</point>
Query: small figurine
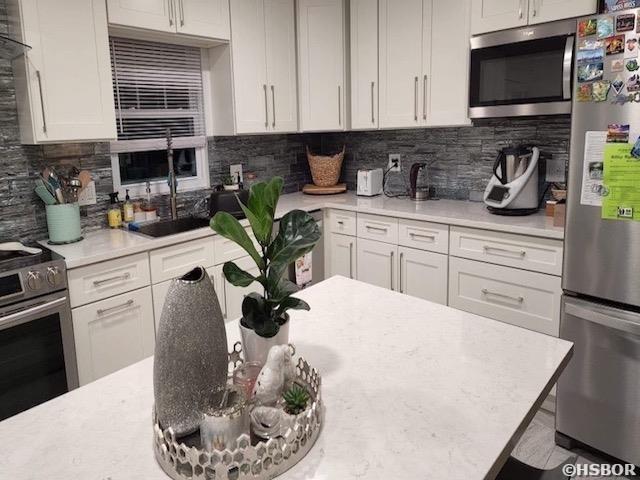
<point>276,371</point>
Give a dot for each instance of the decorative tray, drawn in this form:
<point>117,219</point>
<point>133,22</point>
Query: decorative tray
<point>184,459</point>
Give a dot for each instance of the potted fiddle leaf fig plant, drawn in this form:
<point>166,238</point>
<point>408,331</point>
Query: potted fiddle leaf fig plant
<point>265,321</point>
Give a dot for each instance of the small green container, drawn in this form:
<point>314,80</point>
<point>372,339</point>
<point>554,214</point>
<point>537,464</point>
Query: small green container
<point>63,222</point>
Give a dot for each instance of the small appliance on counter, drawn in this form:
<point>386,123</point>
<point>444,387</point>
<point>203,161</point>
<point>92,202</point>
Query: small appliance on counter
<point>370,182</point>
<point>417,193</point>
<point>513,188</point>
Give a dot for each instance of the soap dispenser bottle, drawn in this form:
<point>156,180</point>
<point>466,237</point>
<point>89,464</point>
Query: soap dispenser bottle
<point>114,214</point>
<point>127,209</point>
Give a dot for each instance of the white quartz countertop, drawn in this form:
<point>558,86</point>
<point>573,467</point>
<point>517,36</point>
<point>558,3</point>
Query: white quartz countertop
<point>412,390</point>
<point>102,245</point>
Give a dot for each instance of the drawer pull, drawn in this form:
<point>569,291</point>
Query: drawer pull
<point>124,276</point>
<point>351,260</point>
<point>378,229</point>
<point>126,304</point>
<point>518,299</point>
<point>488,249</point>
<point>420,235</point>
<point>391,270</point>
<point>340,222</point>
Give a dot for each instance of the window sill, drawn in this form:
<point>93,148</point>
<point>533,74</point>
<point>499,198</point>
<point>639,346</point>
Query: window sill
<point>160,187</point>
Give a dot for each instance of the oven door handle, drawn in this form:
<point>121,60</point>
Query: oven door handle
<point>28,312</point>
<point>567,62</point>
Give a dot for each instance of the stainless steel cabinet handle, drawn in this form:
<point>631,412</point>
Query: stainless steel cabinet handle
<point>379,229</point>
<point>420,235</point>
<point>339,105</point>
<point>350,259</point>
<point>488,249</point>
<point>127,304</point>
<point>340,222</point>
<point>266,107</point>
<point>518,299</point>
<point>535,8</point>
<point>391,271</point>
<point>415,99</point>
<point>424,98</point>
<point>124,276</point>
<point>273,101</point>
<point>171,12</point>
<point>181,13</point>
<point>44,117</point>
<point>373,94</point>
<point>400,272</point>
<point>520,9</point>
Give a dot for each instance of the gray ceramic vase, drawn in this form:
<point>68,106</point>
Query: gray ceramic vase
<point>191,358</point>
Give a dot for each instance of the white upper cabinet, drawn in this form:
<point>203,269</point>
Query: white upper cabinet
<point>364,64</point>
<point>63,85</point>
<point>549,10</point>
<point>401,63</point>
<point>264,66</point>
<point>321,63</point>
<point>203,18</point>
<point>198,18</point>
<point>447,83</point>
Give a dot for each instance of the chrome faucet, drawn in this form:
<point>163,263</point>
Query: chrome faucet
<point>171,177</point>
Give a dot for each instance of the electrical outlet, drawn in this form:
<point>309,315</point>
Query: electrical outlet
<point>394,164</point>
<point>555,171</point>
<point>236,172</point>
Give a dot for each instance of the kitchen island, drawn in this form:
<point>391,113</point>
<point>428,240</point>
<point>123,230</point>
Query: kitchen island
<point>412,390</point>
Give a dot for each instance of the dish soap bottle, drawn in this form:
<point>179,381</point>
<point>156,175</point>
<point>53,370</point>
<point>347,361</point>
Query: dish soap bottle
<point>127,208</point>
<point>114,214</point>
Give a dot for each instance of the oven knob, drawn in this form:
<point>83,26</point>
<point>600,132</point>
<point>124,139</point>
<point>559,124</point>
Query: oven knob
<point>34,280</point>
<point>53,276</point>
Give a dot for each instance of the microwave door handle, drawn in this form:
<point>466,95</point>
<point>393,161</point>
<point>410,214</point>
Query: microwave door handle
<point>567,62</point>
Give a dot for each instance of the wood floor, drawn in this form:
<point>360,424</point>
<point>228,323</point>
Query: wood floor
<point>537,447</point>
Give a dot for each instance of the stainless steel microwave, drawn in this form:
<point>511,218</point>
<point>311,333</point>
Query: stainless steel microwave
<point>521,72</point>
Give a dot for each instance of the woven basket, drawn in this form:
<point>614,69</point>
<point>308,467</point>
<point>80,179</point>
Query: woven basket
<point>325,171</point>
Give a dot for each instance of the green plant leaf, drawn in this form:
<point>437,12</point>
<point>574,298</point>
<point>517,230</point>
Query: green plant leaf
<point>261,208</point>
<point>256,316</point>
<point>291,303</point>
<point>236,276</point>
<point>280,289</point>
<point>229,227</point>
<point>297,236</point>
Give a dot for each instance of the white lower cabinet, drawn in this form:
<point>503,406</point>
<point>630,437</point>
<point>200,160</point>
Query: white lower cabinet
<point>526,299</point>
<point>113,333</point>
<point>423,274</point>
<point>377,263</point>
<point>342,256</point>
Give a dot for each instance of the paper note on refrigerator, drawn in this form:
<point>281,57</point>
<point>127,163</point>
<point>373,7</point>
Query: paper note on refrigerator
<point>622,182</point>
<point>592,170</point>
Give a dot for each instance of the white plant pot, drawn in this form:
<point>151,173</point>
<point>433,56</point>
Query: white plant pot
<point>233,187</point>
<point>256,348</point>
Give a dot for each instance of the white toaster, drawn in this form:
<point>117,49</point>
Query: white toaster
<point>370,182</point>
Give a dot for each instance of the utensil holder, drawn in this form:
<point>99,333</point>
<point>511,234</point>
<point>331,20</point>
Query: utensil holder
<point>63,222</point>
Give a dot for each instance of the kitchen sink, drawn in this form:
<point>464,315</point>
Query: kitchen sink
<point>171,227</point>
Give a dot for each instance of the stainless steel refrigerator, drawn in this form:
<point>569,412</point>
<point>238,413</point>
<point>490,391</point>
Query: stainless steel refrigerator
<point>598,396</point>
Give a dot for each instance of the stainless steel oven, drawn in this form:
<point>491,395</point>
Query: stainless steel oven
<point>37,348</point>
<point>521,72</point>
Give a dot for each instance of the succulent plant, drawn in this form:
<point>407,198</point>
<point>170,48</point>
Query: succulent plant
<point>296,399</point>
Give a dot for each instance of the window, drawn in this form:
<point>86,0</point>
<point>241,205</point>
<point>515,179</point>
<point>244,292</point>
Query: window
<point>157,89</point>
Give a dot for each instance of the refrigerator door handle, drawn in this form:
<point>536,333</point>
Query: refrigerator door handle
<point>608,317</point>
<point>567,63</point>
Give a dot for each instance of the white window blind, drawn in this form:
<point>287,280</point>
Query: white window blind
<point>156,87</point>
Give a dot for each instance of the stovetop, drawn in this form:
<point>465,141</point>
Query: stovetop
<point>17,260</point>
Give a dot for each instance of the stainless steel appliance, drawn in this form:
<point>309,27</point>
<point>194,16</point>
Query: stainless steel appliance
<point>524,71</point>
<point>598,395</point>
<point>513,187</point>
<point>37,350</point>
<point>417,193</point>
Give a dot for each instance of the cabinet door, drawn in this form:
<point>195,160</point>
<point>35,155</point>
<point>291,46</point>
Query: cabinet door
<point>400,63</point>
<point>249,66</point>
<point>377,263</point>
<point>342,255</point>
<point>364,64</point>
<point>203,18</point>
<point>541,11</point>
<point>150,14</point>
<point>280,43</point>
<point>448,80</point>
<point>113,334</point>
<point>423,274</point>
<point>235,295</point>
<point>492,15</point>
<point>63,84</point>
<point>321,61</point>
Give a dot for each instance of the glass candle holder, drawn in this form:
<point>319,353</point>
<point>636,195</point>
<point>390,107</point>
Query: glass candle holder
<point>227,419</point>
<point>245,377</point>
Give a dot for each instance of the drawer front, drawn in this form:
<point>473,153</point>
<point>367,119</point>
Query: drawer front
<point>171,262</point>
<point>103,280</point>
<point>342,221</point>
<point>226,250</point>
<point>526,299</point>
<point>377,227</point>
<point>530,253</point>
<point>433,237</point>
